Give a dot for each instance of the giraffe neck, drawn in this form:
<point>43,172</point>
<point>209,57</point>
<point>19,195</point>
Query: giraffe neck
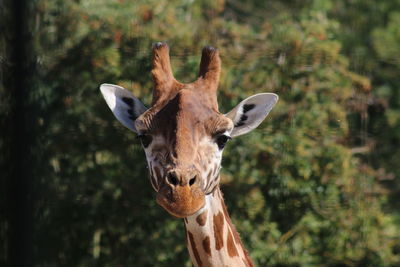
<point>212,239</point>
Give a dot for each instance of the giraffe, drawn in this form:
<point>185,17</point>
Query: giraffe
<point>183,135</point>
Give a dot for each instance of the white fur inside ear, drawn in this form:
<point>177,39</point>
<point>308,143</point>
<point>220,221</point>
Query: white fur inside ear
<point>123,104</point>
<point>251,112</point>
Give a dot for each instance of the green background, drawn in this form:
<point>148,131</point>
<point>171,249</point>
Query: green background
<point>317,184</point>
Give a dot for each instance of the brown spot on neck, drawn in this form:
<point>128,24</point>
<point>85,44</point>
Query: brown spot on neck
<point>194,249</point>
<point>238,242</point>
<point>202,218</point>
<point>207,246</point>
<point>232,250</point>
<point>228,219</point>
<point>219,230</point>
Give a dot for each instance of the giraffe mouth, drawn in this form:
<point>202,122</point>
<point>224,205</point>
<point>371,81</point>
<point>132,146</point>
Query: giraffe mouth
<point>181,201</point>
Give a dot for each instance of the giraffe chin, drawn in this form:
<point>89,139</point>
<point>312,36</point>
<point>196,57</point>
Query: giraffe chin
<point>181,202</point>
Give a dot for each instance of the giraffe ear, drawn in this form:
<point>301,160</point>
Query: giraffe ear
<point>123,104</point>
<point>251,112</point>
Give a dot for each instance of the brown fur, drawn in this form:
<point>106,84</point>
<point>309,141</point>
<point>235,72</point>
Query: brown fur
<point>207,246</point>
<point>194,249</point>
<point>183,122</point>
<point>164,82</point>
<point>202,218</point>
<point>219,230</point>
<point>232,251</point>
<point>180,201</point>
<point>235,233</point>
<point>183,114</point>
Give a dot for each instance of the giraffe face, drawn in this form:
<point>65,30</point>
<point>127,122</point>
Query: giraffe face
<point>183,143</point>
<point>183,133</point>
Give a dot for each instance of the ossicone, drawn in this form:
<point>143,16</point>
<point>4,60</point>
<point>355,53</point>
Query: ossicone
<point>210,66</point>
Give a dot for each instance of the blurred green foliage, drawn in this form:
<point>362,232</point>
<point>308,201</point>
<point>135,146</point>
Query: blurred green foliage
<point>317,184</point>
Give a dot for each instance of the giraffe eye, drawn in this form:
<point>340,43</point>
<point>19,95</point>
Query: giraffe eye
<point>221,140</point>
<point>145,139</point>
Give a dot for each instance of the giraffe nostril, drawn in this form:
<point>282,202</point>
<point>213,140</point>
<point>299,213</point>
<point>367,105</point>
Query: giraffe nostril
<point>172,179</point>
<point>192,181</point>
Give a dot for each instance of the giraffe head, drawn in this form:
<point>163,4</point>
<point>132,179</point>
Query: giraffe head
<point>183,133</point>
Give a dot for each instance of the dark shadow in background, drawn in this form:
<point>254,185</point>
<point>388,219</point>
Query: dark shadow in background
<point>18,134</point>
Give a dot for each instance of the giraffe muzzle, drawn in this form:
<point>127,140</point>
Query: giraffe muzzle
<point>181,196</point>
